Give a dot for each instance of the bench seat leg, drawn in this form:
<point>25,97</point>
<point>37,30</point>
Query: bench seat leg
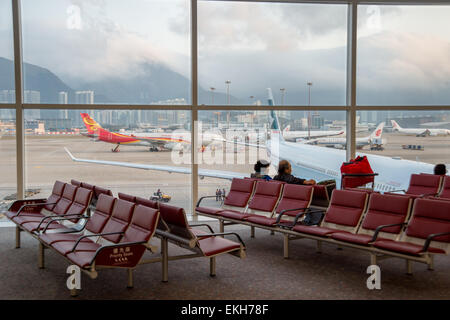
<point>221,226</point>
<point>18,237</point>
<point>408,267</point>
<point>165,260</point>
<point>319,246</point>
<point>373,259</point>
<point>212,266</point>
<point>286,246</point>
<point>252,231</point>
<point>130,278</point>
<point>41,258</point>
<point>431,264</point>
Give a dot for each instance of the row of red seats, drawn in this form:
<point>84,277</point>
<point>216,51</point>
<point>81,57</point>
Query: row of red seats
<point>117,233</point>
<point>428,185</point>
<point>174,228</point>
<point>392,225</point>
<point>68,202</point>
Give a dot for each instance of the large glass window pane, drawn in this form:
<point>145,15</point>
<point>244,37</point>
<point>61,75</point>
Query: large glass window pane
<point>403,55</point>
<point>315,147</point>
<point>140,139</point>
<point>8,182</point>
<point>87,52</point>
<point>7,93</point>
<point>247,47</point>
<point>412,142</point>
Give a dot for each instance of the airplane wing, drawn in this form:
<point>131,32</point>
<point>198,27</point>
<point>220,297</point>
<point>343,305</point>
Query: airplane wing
<point>220,174</point>
<point>246,144</point>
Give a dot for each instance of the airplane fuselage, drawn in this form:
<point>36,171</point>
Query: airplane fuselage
<point>313,162</point>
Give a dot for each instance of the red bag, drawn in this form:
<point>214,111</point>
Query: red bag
<point>360,165</point>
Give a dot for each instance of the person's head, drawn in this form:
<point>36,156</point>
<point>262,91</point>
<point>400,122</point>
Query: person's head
<point>261,166</point>
<point>284,167</point>
<point>440,169</point>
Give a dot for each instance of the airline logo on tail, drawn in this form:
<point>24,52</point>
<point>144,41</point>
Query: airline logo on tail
<point>395,125</point>
<point>91,125</point>
<point>378,131</point>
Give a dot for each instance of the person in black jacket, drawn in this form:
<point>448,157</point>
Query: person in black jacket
<point>285,174</point>
<point>261,170</point>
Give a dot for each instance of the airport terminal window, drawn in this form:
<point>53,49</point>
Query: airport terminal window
<point>7,91</point>
<point>89,52</point>
<point>248,136</point>
<point>421,136</point>
<point>137,137</point>
<point>403,55</point>
<point>296,49</point>
<point>8,182</point>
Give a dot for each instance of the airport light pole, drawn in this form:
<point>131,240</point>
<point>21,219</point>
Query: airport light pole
<point>212,95</point>
<point>228,82</point>
<point>309,84</point>
<point>283,92</point>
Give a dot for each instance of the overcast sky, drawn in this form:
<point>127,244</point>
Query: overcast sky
<point>253,45</point>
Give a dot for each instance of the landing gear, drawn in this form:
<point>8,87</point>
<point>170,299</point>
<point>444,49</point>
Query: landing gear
<point>153,149</point>
<point>116,149</point>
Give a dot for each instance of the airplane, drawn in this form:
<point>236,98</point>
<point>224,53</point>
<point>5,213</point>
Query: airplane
<point>296,135</point>
<point>374,139</point>
<point>307,161</point>
<point>419,132</point>
<point>155,141</point>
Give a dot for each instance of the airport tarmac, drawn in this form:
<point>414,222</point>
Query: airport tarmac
<point>46,161</point>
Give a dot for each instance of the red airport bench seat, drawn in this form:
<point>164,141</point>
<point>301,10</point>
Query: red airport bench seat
<point>421,185</point>
<point>237,198</point>
<point>343,214</point>
<point>176,229</point>
<point>430,221</point>
<point>293,197</point>
<point>35,206</point>
<point>73,213</point>
<point>261,204</point>
<point>383,210</point>
<point>94,225</point>
<point>60,208</point>
<point>135,235</point>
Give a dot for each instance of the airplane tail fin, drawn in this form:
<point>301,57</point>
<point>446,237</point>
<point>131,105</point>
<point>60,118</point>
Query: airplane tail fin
<point>376,134</point>
<point>91,125</point>
<point>275,124</point>
<point>395,125</point>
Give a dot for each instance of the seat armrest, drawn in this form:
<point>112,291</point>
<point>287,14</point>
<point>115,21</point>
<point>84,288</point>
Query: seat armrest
<point>282,212</point>
<point>94,235</point>
<point>201,199</point>
<point>400,190</point>
<point>55,216</point>
<point>223,234</point>
<point>297,217</point>
<point>32,205</point>
<point>430,238</point>
<point>19,203</point>
<point>60,219</point>
<point>202,225</point>
<point>379,228</point>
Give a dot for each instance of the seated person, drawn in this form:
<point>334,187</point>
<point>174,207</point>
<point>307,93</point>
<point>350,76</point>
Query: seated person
<point>285,174</point>
<point>261,170</point>
<point>440,169</point>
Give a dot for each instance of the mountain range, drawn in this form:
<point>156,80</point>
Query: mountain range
<point>155,84</point>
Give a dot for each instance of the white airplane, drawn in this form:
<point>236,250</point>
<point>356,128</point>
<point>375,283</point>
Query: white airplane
<point>307,161</point>
<point>419,131</point>
<point>296,135</point>
<point>340,142</point>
